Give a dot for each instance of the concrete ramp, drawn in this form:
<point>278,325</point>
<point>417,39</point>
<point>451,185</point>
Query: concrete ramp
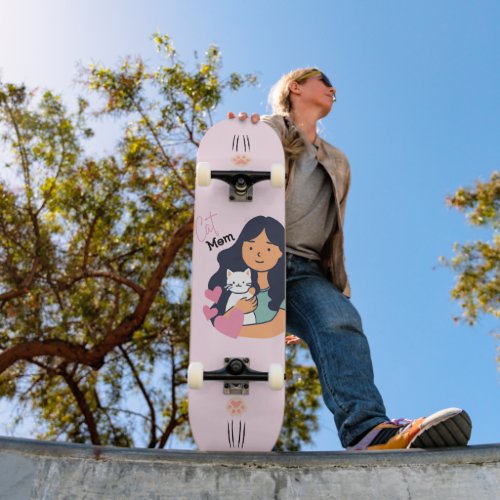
<point>35,469</point>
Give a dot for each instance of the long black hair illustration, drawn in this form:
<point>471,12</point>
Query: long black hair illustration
<point>232,258</point>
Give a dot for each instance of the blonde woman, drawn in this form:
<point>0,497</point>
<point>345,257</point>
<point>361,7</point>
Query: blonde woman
<point>319,310</point>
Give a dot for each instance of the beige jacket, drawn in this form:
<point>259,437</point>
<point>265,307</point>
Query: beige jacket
<point>337,166</point>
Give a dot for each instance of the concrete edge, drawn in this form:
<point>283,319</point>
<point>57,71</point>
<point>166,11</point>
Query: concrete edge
<point>477,454</point>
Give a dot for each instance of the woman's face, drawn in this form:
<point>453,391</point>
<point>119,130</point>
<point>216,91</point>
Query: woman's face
<point>260,254</point>
<point>314,91</point>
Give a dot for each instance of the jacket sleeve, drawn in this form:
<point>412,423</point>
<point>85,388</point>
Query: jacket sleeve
<point>277,123</point>
<point>347,185</point>
<point>343,202</point>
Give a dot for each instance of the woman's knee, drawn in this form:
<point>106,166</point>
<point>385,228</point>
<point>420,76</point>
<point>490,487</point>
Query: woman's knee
<point>319,305</point>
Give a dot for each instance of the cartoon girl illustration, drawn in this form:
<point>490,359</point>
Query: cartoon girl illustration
<point>252,269</point>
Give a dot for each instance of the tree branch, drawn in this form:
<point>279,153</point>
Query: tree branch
<point>152,440</point>
<point>11,238</point>
<point>51,189</point>
<point>27,177</point>
<point>114,277</point>
<point>160,146</point>
<point>173,422</point>
<point>121,334</point>
<point>93,224</point>
<point>24,288</point>
<point>82,404</point>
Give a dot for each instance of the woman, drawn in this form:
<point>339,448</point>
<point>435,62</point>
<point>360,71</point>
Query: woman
<point>260,248</point>
<point>319,310</point>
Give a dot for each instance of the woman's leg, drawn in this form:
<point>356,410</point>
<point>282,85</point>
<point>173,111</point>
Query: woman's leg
<point>326,320</point>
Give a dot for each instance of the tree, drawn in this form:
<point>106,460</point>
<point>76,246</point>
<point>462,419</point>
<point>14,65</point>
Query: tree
<point>477,264</point>
<point>95,254</point>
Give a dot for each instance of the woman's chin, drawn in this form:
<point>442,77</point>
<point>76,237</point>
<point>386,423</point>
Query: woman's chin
<point>260,267</point>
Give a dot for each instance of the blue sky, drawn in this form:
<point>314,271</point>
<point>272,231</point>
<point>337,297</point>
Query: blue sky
<point>418,115</point>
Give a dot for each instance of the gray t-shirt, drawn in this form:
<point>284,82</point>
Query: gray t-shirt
<point>310,207</point>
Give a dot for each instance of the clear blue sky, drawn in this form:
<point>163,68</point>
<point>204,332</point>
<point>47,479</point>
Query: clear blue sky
<point>418,115</point>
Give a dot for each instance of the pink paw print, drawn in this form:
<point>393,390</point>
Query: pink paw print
<point>241,160</point>
<point>236,407</point>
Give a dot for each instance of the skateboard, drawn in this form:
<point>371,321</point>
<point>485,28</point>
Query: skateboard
<point>237,339</point>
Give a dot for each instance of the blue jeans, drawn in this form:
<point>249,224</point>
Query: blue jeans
<point>325,319</point>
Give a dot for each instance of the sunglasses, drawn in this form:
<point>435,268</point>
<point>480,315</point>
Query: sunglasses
<point>322,77</point>
<point>316,72</point>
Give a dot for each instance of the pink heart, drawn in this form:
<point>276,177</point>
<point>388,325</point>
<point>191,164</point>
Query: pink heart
<point>230,325</point>
<point>213,295</point>
<point>209,313</point>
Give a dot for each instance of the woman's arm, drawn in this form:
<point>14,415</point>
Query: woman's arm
<point>266,330</point>
<point>244,305</point>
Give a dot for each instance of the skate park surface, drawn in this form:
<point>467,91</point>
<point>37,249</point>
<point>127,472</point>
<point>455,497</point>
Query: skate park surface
<point>31,469</point>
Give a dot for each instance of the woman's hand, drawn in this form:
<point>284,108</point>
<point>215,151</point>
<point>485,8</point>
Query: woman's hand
<point>247,305</point>
<point>243,116</point>
<point>292,340</point>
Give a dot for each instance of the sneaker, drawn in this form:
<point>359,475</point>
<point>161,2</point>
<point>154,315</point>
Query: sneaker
<point>450,427</point>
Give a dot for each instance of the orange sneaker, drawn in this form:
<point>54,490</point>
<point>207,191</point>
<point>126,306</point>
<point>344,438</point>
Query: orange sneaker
<point>450,427</point>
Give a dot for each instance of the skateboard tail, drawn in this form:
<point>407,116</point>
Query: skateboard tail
<point>238,427</point>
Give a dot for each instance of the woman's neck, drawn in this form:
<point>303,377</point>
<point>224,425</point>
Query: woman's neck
<point>307,122</point>
<point>262,280</point>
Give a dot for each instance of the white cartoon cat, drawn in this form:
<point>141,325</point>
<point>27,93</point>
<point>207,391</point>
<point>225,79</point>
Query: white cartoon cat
<point>239,284</point>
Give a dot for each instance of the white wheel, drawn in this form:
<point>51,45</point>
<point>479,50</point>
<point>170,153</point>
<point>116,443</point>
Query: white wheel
<point>277,175</point>
<point>195,375</point>
<point>203,173</point>
<point>276,376</point>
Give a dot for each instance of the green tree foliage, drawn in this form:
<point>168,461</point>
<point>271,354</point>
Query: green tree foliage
<point>302,401</point>
<point>95,255</point>
<point>477,264</point>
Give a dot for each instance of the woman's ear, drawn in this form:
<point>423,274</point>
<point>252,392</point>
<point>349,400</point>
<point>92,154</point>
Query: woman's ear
<point>294,88</point>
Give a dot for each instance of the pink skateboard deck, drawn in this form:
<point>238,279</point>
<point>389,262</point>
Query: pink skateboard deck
<point>237,340</point>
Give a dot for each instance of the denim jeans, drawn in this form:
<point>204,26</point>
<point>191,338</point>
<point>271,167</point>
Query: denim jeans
<point>325,319</point>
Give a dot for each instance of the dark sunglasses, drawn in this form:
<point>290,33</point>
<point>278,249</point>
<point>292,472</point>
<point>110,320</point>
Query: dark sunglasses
<point>316,72</point>
<point>326,80</point>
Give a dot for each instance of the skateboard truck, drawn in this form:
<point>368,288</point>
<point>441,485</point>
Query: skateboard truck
<point>237,376</point>
<point>240,182</point>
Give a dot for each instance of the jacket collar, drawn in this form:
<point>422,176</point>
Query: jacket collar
<point>327,160</point>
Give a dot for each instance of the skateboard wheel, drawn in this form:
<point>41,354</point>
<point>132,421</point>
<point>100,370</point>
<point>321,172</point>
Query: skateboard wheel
<point>195,375</point>
<point>277,175</point>
<point>203,173</point>
<point>276,376</point>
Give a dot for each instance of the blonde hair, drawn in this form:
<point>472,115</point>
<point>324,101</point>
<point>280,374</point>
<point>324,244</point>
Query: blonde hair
<point>281,104</point>
<point>279,96</point>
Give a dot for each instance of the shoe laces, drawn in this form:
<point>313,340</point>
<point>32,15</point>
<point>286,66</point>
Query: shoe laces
<point>402,423</point>
<point>383,435</point>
